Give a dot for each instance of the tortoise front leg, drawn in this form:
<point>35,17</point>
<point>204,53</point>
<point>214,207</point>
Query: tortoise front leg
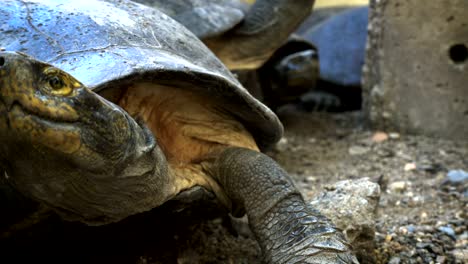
<point>288,229</point>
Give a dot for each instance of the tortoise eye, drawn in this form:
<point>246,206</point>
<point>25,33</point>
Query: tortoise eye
<point>56,83</point>
<point>59,83</point>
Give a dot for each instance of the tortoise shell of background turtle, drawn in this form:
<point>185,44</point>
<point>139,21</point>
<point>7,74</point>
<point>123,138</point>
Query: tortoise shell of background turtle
<point>243,36</point>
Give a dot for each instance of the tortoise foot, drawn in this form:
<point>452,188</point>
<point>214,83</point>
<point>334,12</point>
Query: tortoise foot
<point>320,101</point>
<point>293,232</point>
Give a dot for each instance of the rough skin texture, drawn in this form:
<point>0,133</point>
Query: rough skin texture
<point>288,229</point>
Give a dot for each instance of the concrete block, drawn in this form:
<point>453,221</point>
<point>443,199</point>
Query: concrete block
<point>415,76</point>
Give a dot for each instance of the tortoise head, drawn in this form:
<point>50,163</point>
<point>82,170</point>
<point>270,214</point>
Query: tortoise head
<point>59,141</point>
<point>299,69</point>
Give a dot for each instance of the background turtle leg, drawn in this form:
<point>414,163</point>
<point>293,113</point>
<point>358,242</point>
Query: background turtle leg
<point>288,229</point>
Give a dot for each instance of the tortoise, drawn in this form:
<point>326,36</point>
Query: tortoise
<point>243,36</point>
<point>341,48</point>
<point>291,71</point>
<point>118,109</point>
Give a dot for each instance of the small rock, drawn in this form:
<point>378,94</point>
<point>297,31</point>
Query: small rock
<point>379,137</point>
<point>423,215</point>
<point>410,166</point>
<point>398,186</point>
<point>388,238</point>
<point>311,179</point>
<point>352,206</point>
<point>411,229</point>
<point>282,145</point>
<point>403,230</point>
<point>464,236</point>
<point>441,259</point>
<point>423,245</point>
<point>430,167</point>
<point>461,255</point>
<point>394,135</point>
<point>456,177</point>
<point>385,153</point>
<point>358,150</point>
<point>395,260</point>
<point>448,231</point>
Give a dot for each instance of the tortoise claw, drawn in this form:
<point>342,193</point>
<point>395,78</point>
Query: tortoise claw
<point>295,233</point>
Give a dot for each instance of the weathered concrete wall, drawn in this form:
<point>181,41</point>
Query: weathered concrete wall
<point>416,71</point>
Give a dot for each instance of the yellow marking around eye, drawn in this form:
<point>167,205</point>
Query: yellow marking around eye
<point>70,83</point>
<point>77,84</point>
<point>66,90</point>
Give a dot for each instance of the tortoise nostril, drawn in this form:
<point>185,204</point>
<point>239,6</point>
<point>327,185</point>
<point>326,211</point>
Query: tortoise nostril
<point>2,61</point>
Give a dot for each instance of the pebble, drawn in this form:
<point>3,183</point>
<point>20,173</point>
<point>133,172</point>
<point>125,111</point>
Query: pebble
<point>394,135</point>
<point>398,186</point>
<point>388,238</point>
<point>403,230</point>
<point>456,177</point>
<point>395,260</point>
<point>423,215</point>
<point>358,150</point>
<point>461,255</point>
<point>411,229</point>
<point>379,137</point>
<point>410,166</point>
<point>385,153</point>
<point>447,230</point>
<point>464,236</point>
<point>441,259</point>
<point>430,167</point>
<point>311,179</point>
<point>282,145</point>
